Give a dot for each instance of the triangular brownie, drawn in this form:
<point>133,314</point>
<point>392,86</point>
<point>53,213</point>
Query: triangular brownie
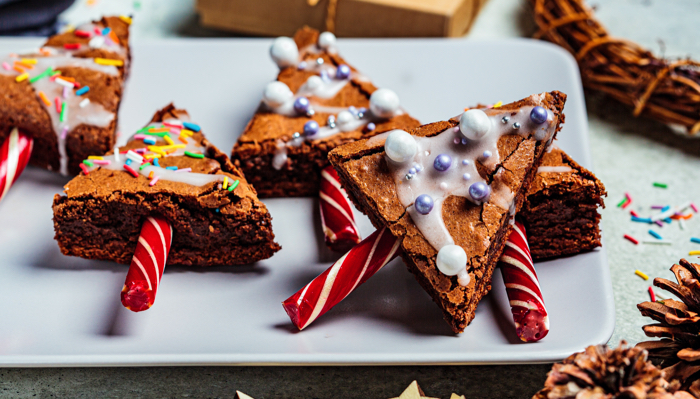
<point>450,191</point>
<point>169,169</point>
<point>66,94</point>
<point>317,103</point>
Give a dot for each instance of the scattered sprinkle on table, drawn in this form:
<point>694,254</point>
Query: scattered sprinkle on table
<point>641,274</point>
<point>651,295</point>
<point>658,242</point>
<point>632,239</point>
<point>695,240</point>
<point>660,185</point>
<point>655,234</point>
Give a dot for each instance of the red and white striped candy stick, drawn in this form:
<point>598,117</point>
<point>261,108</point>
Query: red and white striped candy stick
<point>147,265</point>
<point>346,274</point>
<point>341,232</point>
<point>523,288</point>
<point>14,156</point>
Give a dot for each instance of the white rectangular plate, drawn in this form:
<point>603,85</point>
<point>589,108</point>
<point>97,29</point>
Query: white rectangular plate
<point>64,311</point>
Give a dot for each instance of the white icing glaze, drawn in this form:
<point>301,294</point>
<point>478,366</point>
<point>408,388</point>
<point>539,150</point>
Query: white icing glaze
<point>554,169</point>
<point>89,114</point>
<point>439,185</point>
<point>117,161</point>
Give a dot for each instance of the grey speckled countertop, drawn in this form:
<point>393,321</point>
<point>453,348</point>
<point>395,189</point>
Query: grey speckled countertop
<point>629,155</point>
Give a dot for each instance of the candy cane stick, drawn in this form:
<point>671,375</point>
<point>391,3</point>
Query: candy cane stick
<point>14,156</point>
<point>523,288</point>
<point>147,265</point>
<point>339,226</point>
<point>346,274</point>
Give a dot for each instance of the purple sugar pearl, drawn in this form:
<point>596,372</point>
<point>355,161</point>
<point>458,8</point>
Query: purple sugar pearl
<point>538,115</point>
<point>343,72</point>
<point>370,126</point>
<point>479,191</point>
<point>311,128</point>
<point>424,204</point>
<point>442,162</point>
<point>301,105</point>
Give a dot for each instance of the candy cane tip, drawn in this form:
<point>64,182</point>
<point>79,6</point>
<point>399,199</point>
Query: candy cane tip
<point>531,326</point>
<point>290,306</point>
<point>137,297</point>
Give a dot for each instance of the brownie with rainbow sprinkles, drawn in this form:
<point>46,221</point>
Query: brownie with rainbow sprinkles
<point>66,94</point>
<point>169,169</point>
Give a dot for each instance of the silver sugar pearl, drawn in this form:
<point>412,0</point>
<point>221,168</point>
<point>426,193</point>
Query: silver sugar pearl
<point>319,61</point>
<point>360,115</point>
<point>296,135</point>
<point>505,119</point>
<point>516,126</point>
<point>310,113</point>
<point>409,176</point>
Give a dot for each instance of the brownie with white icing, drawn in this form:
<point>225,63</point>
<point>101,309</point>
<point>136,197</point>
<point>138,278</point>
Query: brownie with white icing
<point>450,190</point>
<point>168,168</point>
<point>66,94</point>
<point>317,103</point>
<point>561,212</point>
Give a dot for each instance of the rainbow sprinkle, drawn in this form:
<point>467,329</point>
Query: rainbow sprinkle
<point>695,208</point>
<point>84,103</point>
<point>651,295</point>
<point>660,185</point>
<point>105,61</point>
<point>225,186</point>
<point>695,240</point>
<point>126,19</point>
<point>84,168</point>
<point>655,235</point>
<point>22,77</point>
<point>642,275</point>
<point>632,239</point>
<point>193,155</point>
<point>233,186</point>
<point>82,90</point>
<point>154,181</point>
<point>64,112</point>
<point>131,171</point>
<point>691,253</point>
<point>42,75</point>
<point>191,126</point>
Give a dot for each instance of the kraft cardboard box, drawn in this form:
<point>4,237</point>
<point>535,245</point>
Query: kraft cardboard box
<point>346,18</point>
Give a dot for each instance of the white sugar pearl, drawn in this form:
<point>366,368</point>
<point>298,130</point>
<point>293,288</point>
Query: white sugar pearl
<point>276,94</point>
<point>284,52</point>
<point>97,42</point>
<point>326,40</point>
<point>384,103</point>
<point>451,259</point>
<point>474,124</point>
<point>313,83</point>
<point>344,117</point>
<point>400,146</point>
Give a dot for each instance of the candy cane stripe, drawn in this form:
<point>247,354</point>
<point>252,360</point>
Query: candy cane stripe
<point>342,278</point>
<point>154,237</point>
<point>143,271</point>
<point>339,227</point>
<point>523,287</point>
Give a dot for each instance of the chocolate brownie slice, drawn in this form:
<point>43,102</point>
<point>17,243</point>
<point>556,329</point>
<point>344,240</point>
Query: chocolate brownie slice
<point>66,94</point>
<point>450,189</point>
<point>216,215</point>
<point>561,212</point>
<point>318,103</point>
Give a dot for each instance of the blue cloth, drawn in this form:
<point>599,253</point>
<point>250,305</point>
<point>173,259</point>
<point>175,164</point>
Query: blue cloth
<point>31,17</point>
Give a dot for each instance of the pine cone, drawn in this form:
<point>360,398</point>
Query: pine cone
<point>678,351</point>
<point>603,373</point>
